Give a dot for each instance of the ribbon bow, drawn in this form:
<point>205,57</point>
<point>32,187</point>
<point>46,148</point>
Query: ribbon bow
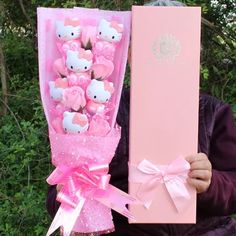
<point>81,183</point>
<point>150,176</point>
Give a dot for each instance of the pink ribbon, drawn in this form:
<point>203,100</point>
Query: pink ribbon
<point>173,176</point>
<point>81,183</point>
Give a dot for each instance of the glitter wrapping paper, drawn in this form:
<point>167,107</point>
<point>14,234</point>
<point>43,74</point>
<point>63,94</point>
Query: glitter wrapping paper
<point>76,149</point>
<point>65,149</point>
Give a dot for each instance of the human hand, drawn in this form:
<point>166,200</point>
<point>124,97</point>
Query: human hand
<point>200,172</point>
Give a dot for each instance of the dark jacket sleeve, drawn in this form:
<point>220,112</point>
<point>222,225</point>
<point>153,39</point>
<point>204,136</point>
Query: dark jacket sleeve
<point>51,203</point>
<point>220,198</point>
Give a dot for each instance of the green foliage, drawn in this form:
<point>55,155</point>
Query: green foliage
<point>24,147</point>
<point>24,166</point>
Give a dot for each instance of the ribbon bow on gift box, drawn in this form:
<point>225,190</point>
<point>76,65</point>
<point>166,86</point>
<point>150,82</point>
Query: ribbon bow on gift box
<point>81,183</point>
<point>150,176</point>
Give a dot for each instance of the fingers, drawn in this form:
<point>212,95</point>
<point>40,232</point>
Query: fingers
<point>201,165</point>
<point>200,185</point>
<point>197,157</point>
<point>199,162</point>
<point>200,172</point>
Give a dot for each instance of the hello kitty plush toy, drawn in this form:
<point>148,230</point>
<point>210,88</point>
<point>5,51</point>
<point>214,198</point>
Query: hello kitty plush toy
<point>109,34</point>
<point>75,122</point>
<point>110,31</point>
<point>68,33</point>
<point>57,87</point>
<point>79,61</point>
<point>98,93</point>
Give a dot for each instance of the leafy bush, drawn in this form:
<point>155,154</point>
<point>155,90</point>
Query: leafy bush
<point>25,164</point>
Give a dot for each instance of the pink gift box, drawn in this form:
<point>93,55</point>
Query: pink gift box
<point>164,112</point>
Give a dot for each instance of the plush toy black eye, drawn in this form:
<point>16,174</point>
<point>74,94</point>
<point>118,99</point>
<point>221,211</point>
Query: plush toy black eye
<point>78,132</point>
<point>100,33</point>
<point>59,35</point>
<point>72,34</point>
<point>72,67</point>
<point>113,37</point>
<point>95,96</point>
<point>107,99</point>
<point>85,67</point>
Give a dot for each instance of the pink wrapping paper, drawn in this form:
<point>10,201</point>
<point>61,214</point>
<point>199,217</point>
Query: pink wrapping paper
<point>71,150</point>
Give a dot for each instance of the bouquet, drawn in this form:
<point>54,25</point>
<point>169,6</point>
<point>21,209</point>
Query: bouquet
<point>82,59</point>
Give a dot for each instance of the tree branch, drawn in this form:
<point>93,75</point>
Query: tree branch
<point>25,14</point>
<point>3,80</point>
<point>17,96</point>
<point>219,32</point>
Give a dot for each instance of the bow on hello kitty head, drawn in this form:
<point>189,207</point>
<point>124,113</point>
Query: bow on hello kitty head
<point>118,27</point>
<point>108,86</point>
<point>71,22</point>
<point>61,83</point>
<point>80,119</point>
<point>85,54</point>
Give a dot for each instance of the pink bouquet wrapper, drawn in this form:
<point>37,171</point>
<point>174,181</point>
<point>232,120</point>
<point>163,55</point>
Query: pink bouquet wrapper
<point>82,160</point>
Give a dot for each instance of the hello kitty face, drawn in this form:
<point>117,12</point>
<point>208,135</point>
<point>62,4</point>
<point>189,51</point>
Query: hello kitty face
<point>79,61</point>
<point>68,30</point>
<point>74,122</point>
<point>100,91</point>
<point>110,31</point>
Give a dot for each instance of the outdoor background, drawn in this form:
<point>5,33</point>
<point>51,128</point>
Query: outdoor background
<point>24,147</point>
